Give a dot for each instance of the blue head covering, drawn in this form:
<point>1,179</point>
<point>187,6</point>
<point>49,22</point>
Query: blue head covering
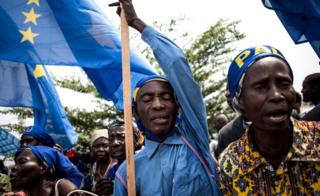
<point>39,134</point>
<point>144,81</point>
<point>58,164</point>
<point>242,62</point>
<point>149,134</point>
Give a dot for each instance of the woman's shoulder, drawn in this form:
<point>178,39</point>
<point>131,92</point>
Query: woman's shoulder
<point>63,187</point>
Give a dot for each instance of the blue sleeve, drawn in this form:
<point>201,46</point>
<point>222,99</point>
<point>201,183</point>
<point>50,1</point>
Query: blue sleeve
<point>67,170</point>
<point>118,188</point>
<point>176,68</point>
<point>193,123</point>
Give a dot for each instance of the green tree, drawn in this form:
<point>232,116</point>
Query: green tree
<point>208,55</point>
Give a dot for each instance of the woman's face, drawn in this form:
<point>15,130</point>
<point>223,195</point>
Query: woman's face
<point>26,171</point>
<point>267,96</point>
<point>100,149</point>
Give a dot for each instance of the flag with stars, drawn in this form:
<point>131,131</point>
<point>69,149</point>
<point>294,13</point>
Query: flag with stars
<point>68,32</point>
<point>300,18</point>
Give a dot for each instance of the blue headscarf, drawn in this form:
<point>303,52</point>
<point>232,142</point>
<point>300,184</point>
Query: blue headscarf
<point>244,60</point>
<point>58,164</point>
<point>149,134</point>
<point>39,134</point>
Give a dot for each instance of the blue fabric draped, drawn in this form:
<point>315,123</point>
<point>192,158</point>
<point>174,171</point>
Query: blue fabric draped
<point>300,18</point>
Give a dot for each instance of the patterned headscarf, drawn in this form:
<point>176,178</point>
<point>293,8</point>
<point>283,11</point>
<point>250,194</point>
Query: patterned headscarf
<point>39,134</point>
<point>243,61</point>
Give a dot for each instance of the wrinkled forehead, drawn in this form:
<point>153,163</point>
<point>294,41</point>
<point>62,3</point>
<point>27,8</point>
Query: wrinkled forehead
<point>116,129</point>
<point>266,66</point>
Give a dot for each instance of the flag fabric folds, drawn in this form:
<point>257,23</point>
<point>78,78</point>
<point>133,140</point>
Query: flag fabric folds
<point>64,32</point>
<point>300,18</point>
<point>24,85</point>
<point>8,143</point>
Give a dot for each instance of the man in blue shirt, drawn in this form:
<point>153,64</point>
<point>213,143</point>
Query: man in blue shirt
<point>170,110</point>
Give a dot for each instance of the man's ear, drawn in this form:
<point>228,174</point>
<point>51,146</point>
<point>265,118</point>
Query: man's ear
<point>43,168</point>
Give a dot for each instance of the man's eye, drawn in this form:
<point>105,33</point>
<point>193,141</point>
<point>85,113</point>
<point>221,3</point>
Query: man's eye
<point>167,96</point>
<point>146,98</point>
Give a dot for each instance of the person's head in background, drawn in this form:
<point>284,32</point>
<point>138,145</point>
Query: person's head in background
<point>35,171</point>
<point>35,135</point>
<point>219,121</point>
<point>297,106</point>
<point>99,145</point>
<point>311,88</point>
<point>116,133</point>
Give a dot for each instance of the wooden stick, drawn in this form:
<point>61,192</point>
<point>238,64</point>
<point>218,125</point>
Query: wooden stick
<point>127,105</point>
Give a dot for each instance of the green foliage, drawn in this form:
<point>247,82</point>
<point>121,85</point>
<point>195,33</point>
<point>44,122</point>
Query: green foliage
<point>77,84</point>
<point>208,55</point>
<point>21,114</point>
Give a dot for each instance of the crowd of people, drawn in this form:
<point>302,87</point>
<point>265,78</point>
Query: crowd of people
<point>269,148</point>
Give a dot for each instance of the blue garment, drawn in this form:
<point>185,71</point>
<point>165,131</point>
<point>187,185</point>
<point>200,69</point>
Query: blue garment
<point>57,163</point>
<point>170,168</point>
<point>300,18</point>
<point>39,134</point>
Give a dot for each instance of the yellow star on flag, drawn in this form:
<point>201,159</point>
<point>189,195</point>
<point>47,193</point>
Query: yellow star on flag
<point>38,71</point>
<point>34,1</point>
<point>31,16</point>
<point>28,35</point>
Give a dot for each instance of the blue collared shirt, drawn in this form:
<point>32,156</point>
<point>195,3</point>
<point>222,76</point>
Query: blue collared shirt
<point>170,167</point>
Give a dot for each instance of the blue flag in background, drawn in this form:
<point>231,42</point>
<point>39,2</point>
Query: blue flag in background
<point>68,32</point>
<point>24,85</point>
<point>300,18</point>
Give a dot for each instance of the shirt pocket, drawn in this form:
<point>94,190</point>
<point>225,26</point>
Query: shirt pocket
<point>190,178</point>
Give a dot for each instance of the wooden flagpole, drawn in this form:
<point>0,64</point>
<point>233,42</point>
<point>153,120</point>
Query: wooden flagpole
<point>127,105</point>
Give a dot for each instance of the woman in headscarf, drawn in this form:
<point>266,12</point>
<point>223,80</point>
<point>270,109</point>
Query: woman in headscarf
<point>35,173</point>
<point>37,136</point>
<point>97,181</point>
<point>277,155</point>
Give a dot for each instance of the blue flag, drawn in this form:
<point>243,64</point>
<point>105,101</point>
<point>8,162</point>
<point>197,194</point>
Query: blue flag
<point>24,85</point>
<point>300,18</point>
<point>68,32</point>
<point>9,143</point>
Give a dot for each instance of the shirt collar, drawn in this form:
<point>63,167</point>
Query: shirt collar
<point>302,149</point>
<point>152,146</point>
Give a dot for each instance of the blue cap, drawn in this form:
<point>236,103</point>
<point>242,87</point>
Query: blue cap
<point>246,58</point>
<point>145,80</point>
